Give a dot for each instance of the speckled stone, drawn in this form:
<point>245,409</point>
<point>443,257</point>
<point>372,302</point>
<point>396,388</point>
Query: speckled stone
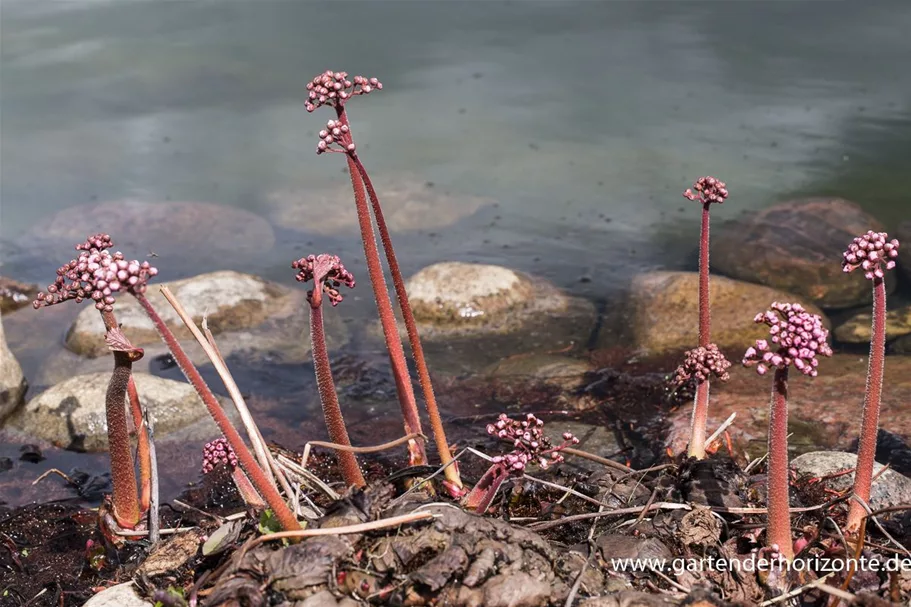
<point>858,328</point>
<point>889,489</point>
<point>121,595</point>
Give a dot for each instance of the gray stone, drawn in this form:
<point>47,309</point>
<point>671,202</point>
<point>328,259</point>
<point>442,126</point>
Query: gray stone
<point>551,369</point>
<point>12,382</point>
<point>859,328</point>
<point>71,415</point>
<point>903,234</point>
<point>595,439</point>
<point>890,489</point>
<point>121,595</point>
<point>797,246</point>
<point>232,300</point>
<point>408,204</point>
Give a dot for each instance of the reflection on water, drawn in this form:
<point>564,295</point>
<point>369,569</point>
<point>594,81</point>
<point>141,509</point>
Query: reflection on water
<point>583,120</point>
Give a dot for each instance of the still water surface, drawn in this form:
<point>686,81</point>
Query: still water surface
<point>583,120</point>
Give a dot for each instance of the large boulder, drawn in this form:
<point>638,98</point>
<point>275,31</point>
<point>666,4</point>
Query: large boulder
<point>662,310</point>
<point>797,246</point>
<point>408,204</point>
<point>71,415</point>
<point>858,328</point>
<point>232,301</point>
<point>823,412</point>
<point>12,382</point>
<point>903,234</point>
<point>889,489</point>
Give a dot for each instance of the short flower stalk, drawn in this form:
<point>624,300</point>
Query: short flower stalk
<point>219,452</point>
<point>706,191</point>
<point>798,339</point>
<point>328,274</point>
<point>530,446</point>
<point>873,253</point>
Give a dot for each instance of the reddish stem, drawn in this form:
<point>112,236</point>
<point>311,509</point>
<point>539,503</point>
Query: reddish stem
<point>866,452</point>
<point>701,402</point>
<point>387,316</point>
<point>284,515</point>
<point>699,421</point>
<point>436,422</point>
<point>779,530</point>
<point>143,453</point>
<point>332,412</point>
<point>246,489</point>
<point>123,475</point>
<point>481,496</point>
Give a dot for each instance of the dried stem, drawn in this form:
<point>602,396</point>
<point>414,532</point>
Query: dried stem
<point>779,530</point>
<point>284,515</point>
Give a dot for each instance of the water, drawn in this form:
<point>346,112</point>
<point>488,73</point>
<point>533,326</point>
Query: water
<point>583,120</point>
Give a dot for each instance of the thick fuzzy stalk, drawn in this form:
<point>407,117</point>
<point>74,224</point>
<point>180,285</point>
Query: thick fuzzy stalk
<point>123,475</point>
<point>143,450</point>
<point>284,515</point>
<point>863,477</point>
<point>779,530</point>
<point>701,403</point>
<point>387,318</point>
<point>332,412</point>
<point>414,339</point>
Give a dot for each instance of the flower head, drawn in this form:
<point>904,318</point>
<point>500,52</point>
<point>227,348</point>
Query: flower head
<point>334,89</point>
<point>870,252</point>
<point>798,337</point>
<point>217,452</point>
<point>707,191</point>
<point>700,364</point>
<point>335,134</point>
<point>96,274</point>
<point>530,444</point>
<point>326,270</point>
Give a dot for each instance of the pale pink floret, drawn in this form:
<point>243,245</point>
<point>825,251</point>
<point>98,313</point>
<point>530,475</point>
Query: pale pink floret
<point>529,443</point>
<point>334,89</point>
<point>328,271</point>
<point>217,452</point>
<point>702,363</point>
<point>707,191</point>
<point>871,252</point>
<point>800,338</point>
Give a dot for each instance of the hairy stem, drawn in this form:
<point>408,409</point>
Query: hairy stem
<point>699,421</point>
<point>284,515</point>
<point>332,412</point>
<point>123,475</point>
<point>142,446</point>
<point>387,317</point>
<point>779,530</point>
<point>414,339</point>
<point>863,477</point>
<point>701,402</point>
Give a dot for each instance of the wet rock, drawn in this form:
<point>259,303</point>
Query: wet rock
<point>663,312</point>
<point>173,230</point>
<point>15,295</point>
<point>552,369</point>
<point>889,489</point>
<point>596,439</point>
<point>903,233</point>
<point>902,345</point>
<point>408,204</point>
<point>797,246</point>
<point>823,412</point>
<point>12,382</point>
<point>121,595</point>
<point>454,298</point>
<point>71,415</point>
<point>233,301</point>
<point>858,328</point>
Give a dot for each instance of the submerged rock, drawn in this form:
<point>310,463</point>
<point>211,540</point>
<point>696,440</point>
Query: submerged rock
<point>889,488</point>
<point>121,595</point>
<point>858,328</point>
<point>15,295</point>
<point>462,299</point>
<point>823,412</point>
<point>12,382</point>
<point>797,246</point>
<point>232,301</point>
<point>903,233</point>
<point>663,309</point>
<point>71,415</point>
<point>551,369</point>
<point>408,204</point>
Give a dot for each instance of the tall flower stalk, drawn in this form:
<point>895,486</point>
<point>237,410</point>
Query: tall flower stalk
<point>798,338</point>
<point>706,191</point>
<point>873,253</point>
<point>334,89</point>
<point>328,274</point>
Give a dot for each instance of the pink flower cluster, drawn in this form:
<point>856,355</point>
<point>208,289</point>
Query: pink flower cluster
<point>325,269</point>
<point>530,444</point>
<point>799,335</point>
<point>217,452</point>
<point>96,274</point>
<point>335,133</point>
<point>334,89</point>
<point>701,363</point>
<point>708,190</point>
<point>870,252</point>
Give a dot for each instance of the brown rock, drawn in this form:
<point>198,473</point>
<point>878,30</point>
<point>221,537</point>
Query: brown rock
<point>823,412</point>
<point>15,295</point>
<point>797,246</point>
<point>858,328</point>
<point>663,312</point>
<point>903,233</point>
